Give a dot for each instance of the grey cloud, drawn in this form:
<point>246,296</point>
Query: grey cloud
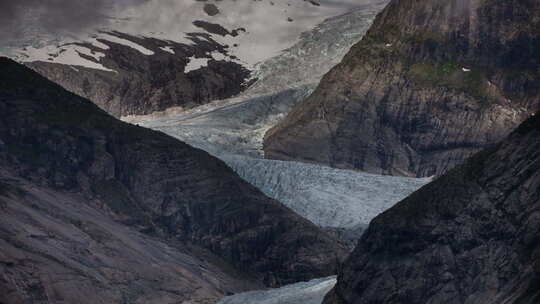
<point>55,16</point>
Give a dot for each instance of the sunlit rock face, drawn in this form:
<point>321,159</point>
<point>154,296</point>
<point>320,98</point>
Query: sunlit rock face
<point>431,83</point>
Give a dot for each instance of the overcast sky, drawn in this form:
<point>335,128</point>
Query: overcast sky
<point>57,15</point>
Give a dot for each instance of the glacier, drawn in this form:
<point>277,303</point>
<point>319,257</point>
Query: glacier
<point>311,292</point>
<point>232,126</point>
<point>237,125</point>
<point>233,130</point>
<point>326,196</point>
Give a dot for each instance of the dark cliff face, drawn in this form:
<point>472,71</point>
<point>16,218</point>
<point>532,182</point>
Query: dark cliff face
<point>142,84</point>
<point>152,183</point>
<point>471,236</point>
<point>430,84</point>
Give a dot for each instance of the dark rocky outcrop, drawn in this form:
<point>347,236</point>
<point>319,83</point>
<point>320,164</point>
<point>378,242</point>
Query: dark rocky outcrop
<point>65,152</point>
<point>471,236</point>
<point>430,84</point>
<point>142,84</point>
<point>211,9</point>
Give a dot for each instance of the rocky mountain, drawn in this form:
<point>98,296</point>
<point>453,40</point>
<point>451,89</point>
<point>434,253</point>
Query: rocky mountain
<point>129,214</point>
<point>159,74</point>
<point>194,53</point>
<point>156,75</point>
<point>430,84</point>
<point>471,236</point>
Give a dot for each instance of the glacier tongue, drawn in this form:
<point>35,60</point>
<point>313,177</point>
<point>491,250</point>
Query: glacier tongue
<point>233,126</point>
<point>311,292</point>
<point>326,196</point>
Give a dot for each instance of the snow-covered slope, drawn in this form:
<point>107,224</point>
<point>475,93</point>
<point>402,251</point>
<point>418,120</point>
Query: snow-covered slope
<point>156,54</point>
<point>311,292</point>
<point>254,30</point>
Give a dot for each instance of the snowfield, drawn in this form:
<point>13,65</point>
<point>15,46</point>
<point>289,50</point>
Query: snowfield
<point>311,292</point>
<point>257,42</point>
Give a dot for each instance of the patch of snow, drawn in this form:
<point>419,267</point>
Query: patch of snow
<point>167,49</point>
<point>311,292</point>
<point>465,69</point>
<point>218,56</point>
<point>131,44</point>
<point>388,45</point>
<point>67,54</point>
<point>195,63</point>
<point>98,44</point>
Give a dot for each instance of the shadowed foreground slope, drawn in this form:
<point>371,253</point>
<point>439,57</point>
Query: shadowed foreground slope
<point>61,158</point>
<point>471,236</point>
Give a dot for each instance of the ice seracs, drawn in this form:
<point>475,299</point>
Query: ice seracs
<point>326,196</point>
